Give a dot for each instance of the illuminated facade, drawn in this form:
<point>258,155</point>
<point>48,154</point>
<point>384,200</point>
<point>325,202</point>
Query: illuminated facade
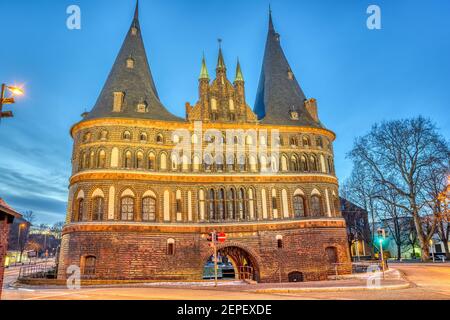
<point>137,211</point>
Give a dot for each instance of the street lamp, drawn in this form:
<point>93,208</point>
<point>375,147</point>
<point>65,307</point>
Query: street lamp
<point>15,91</point>
<point>22,225</point>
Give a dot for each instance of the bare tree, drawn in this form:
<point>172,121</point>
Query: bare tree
<point>437,189</point>
<point>360,190</point>
<point>400,155</point>
<point>29,216</point>
<point>393,218</point>
<point>57,229</point>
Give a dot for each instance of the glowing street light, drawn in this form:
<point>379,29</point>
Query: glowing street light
<point>15,91</point>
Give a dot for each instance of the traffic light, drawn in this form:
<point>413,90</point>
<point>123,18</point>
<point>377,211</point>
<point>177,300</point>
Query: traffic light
<point>381,233</point>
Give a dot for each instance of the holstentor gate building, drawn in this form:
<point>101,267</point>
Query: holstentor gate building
<point>136,212</point>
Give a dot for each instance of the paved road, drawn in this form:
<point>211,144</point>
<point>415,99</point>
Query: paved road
<point>430,281</point>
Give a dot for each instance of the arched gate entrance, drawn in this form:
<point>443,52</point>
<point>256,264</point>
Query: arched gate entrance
<point>243,264</point>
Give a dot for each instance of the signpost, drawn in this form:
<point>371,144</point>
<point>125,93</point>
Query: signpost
<point>215,237</point>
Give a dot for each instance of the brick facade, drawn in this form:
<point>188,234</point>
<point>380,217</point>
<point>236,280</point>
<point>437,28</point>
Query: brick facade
<point>7,215</point>
<point>4,232</point>
<point>140,252</point>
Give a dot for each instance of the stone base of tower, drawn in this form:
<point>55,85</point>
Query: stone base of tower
<point>304,250</point>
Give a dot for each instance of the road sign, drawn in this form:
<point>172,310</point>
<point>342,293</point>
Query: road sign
<point>221,237</point>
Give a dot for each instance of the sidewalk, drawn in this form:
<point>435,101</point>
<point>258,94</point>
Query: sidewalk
<point>393,280</point>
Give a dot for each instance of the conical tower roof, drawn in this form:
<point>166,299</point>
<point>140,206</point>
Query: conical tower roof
<point>239,76</point>
<point>135,82</point>
<point>279,93</point>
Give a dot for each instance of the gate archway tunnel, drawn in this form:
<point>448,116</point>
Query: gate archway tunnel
<point>233,263</point>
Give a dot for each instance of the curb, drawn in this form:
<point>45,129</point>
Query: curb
<point>334,289</point>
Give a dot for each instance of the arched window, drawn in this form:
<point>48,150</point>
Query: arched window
<point>178,204</point>
<point>314,164</point>
<point>319,142</point>
<point>174,162</point>
<point>185,163</point>
<point>148,209</point>
<point>83,160</point>
<point>230,162</point>
<point>284,163</point>
<point>101,161</point>
<point>89,265</point>
<point>208,162</point>
<point>92,159</point>
<point>242,163</point>
<point>103,135</point>
<point>241,205</point>
<point>304,164</point>
<point>263,164</point>
<point>170,247</point>
<point>279,239</point>
<point>98,209</point>
<point>253,164</point>
<point>221,204</point>
<point>151,161</point>
<point>163,161</point>
<point>219,162</point>
<point>80,209</point>
<point>159,138</point>
<point>299,206</point>
<point>87,137</point>
<point>196,163</point>
<point>294,164</point>
<point>212,205</point>
<point>274,203</point>
<point>128,160</point>
<point>293,141</point>
<point>274,164</point>
<point>330,165</point>
<point>231,204</point>
<point>201,205</point>
<point>251,203</point>
<point>143,137</point>
<point>127,135</point>
<point>127,209</point>
<point>306,141</point>
<point>140,160</point>
<point>194,139</point>
<point>316,207</point>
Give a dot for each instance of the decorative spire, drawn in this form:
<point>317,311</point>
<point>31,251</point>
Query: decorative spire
<point>271,27</point>
<point>220,61</point>
<point>239,76</point>
<point>204,72</point>
<point>136,11</point>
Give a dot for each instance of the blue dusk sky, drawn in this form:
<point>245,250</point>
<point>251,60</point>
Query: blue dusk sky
<point>359,76</point>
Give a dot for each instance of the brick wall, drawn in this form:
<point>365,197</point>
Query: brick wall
<point>144,255</point>
<point>4,232</point>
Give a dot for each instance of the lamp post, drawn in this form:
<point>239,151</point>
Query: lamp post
<point>22,225</point>
<point>431,249</point>
<point>10,100</point>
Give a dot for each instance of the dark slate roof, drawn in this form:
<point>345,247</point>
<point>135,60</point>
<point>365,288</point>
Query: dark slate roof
<point>277,95</point>
<point>137,83</point>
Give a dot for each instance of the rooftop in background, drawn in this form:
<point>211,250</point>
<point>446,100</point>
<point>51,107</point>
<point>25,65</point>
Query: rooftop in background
<point>7,209</point>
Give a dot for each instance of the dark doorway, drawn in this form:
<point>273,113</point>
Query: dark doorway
<point>295,277</point>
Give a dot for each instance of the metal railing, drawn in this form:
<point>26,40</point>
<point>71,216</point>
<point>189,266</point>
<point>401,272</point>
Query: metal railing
<point>337,269</point>
<point>45,270</point>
